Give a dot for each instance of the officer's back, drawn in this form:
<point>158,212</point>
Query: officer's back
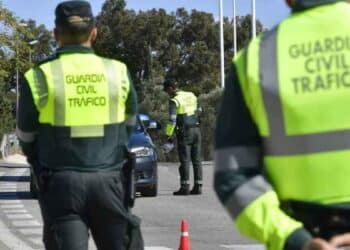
<point>283,140</point>
<point>76,112</point>
<point>83,123</point>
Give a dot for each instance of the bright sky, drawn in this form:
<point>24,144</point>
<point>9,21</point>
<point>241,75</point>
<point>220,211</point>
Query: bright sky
<point>269,12</point>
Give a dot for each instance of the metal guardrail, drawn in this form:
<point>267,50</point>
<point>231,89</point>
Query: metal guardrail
<point>9,145</point>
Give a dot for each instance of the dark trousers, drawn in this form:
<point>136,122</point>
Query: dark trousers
<point>72,203</point>
<point>189,148</point>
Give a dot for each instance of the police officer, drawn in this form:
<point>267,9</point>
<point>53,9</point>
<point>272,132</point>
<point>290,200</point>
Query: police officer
<point>76,112</point>
<point>283,131</point>
<point>184,121</point>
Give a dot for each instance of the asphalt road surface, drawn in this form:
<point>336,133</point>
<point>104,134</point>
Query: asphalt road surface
<point>210,228</point>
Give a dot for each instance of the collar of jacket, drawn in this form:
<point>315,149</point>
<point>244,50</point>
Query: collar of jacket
<point>74,49</point>
<point>301,5</point>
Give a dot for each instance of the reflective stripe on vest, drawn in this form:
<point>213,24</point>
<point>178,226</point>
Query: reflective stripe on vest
<point>59,92</point>
<point>306,135</point>
<point>278,142</point>
<point>83,100</point>
<point>186,103</point>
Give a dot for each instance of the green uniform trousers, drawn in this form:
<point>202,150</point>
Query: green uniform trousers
<point>189,148</point>
<point>75,203</point>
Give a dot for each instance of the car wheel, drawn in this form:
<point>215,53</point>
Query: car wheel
<point>152,191</point>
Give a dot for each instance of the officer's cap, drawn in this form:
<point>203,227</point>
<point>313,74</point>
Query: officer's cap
<point>70,12</point>
<point>169,83</point>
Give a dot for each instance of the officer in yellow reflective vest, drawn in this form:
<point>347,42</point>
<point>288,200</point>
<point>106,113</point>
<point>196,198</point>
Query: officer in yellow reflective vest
<point>184,121</point>
<point>283,131</point>
<point>76,112</point>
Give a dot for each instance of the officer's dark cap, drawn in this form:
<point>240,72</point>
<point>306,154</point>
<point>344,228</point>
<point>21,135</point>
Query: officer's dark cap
<point>70,12</point>
<point>169,83</point>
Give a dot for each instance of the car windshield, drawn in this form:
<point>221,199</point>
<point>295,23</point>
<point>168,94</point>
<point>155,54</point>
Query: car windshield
<point>138,127</point>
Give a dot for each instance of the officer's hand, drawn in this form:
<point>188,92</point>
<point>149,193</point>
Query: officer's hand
<point>170,140</point>
<point>340,240</point>
<point>317,244</point>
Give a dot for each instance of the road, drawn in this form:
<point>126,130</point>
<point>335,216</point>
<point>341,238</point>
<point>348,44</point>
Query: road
<point>210,228</point>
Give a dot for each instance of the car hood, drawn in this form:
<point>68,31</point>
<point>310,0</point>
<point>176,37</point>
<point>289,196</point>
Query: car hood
<point>140,139</point>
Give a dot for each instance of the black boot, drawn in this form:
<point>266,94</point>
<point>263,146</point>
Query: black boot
<point>197,189</point>
<point>184,190</point>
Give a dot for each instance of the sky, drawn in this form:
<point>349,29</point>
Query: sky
<point>269,12</point>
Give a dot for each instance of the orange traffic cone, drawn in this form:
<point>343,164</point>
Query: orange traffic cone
<point>185,239</point>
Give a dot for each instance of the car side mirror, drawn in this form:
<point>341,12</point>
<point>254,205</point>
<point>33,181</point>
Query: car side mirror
<point>154,125</point>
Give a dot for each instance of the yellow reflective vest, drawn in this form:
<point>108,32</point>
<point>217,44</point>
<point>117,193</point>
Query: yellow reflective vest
<point>186,107</point>
<point>295,81</point>
<point>82,91</point>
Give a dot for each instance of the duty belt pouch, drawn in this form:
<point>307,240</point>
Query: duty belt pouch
<point>134,239</point>
<point>129,180</point>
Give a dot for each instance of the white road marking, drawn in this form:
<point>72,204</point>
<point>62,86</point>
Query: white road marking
<point>8,190</point>
<point>11,206</point>
<point>14,211</point>
<point>18,172</point>
<point>31,231</point>
<point>158,248</point>
<point>10,240</point>
<point>8,184</point>
<point>19,216</point>
<point>25,223</point>
<point>9,201</point>
<point>36,240</point>
<point>244,247</point>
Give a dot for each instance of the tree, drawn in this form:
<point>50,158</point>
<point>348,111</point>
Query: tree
<point>155,44</point>
<point>15,53</point>
<point>44,42</point>
<point>181,45</point>
<point>6,102</point>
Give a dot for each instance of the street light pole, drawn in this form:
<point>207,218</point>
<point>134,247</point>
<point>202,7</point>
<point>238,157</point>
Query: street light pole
<point>222,44</point>
<point>17,73</point>
<point>253,19</point>
<point>234,29</point>
<point>17,64</point>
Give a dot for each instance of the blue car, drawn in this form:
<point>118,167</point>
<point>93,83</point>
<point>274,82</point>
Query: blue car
<point>143,147</point>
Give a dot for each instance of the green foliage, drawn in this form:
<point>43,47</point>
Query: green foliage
<point>155,44</point>
<point>7,110</point>
<point>181,45</point>
<point>17,54</point>
<point>155,104</point>
<point>210,104</point>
